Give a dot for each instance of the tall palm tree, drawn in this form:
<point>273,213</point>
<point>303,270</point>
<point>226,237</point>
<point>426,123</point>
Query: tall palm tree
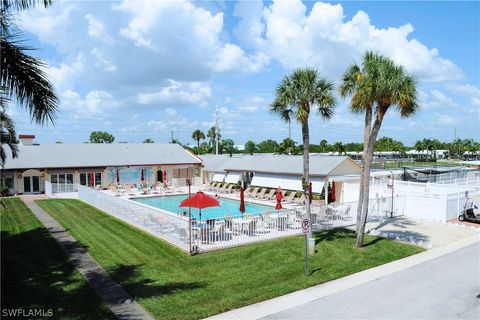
<point>295,96</point>
<point>212,135</point>
<point>198,135</point>
<point>375,86</point>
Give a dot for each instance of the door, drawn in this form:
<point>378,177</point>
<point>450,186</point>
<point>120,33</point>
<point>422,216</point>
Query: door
<point>35,184</point>
<point>27,186</point>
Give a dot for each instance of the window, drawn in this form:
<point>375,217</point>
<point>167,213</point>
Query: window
<point>160,175</point>
<point>85,179</point>
<point>9,182</point>
<point>54,178</point>
<point>70,178</point>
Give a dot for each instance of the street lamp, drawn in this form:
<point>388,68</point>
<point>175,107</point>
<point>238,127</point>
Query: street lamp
<point>391,185</point>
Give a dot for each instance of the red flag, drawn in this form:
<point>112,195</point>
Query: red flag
<point>142,178</point>
<point>92,178</point>
<point>118,177</point>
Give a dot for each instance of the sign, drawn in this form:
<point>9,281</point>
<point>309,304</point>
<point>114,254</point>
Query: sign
<point>306,226</point>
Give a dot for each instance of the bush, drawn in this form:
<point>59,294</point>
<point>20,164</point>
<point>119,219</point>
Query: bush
<point>4,192</point>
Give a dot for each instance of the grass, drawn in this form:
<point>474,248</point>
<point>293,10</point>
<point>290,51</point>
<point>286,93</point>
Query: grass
<point>173,285</point>
<point>37,274</point>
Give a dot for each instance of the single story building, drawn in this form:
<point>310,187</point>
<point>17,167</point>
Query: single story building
<point>286,171</point>
<point>67,165</point>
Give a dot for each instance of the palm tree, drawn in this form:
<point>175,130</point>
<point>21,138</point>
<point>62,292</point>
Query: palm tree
<point>7,136</point>
<point>198,135</point>
<point>295,96</point>
<point>21,76</point>
<point>212,135</point>
<point>375,86</point>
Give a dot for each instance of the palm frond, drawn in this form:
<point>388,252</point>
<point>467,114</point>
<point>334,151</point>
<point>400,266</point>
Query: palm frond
<point>23,77</point>
<point>21,5</point>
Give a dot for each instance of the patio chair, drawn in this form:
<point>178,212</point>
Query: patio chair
<point>274,195</point>
<point>219,232</point>
<point>229,189</point>
<point>290,197</point>
<point>269,195</point>
<point>212,186</point>
<point>228,221</point>
<point>260,194</point>
<point>301,200</point>
<point>248,191</point>
<point>253,193</point>
<point>218,187</point>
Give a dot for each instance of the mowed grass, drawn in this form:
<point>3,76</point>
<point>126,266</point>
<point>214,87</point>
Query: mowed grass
<point>37,274</point>
<point>173,285</point>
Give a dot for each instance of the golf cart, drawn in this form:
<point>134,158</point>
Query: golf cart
<point>470,212</point>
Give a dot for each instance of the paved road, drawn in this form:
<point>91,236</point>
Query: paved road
<point>447,287</point>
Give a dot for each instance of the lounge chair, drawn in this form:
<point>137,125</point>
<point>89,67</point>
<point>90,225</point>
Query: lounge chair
<point>260,194</point>
<point>212,186</point>
<point>219,187</point>
<point>270,195</point>
<point>229,189</point>
<point>253,193</point>
<point>248,191</point>
<point>300,200</point>
<point>290,197</point>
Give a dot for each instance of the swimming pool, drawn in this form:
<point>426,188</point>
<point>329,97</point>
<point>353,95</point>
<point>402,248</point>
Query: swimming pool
<point>227,206</point>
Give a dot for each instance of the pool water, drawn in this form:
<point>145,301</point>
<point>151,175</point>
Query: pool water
<point>227,206</point>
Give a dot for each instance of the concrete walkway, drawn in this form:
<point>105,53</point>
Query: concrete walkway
<point>117,299</point>
<point>295,299</point>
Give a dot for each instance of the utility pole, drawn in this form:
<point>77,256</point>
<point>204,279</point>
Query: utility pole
<point>216,130</point>
<point>289,129</point>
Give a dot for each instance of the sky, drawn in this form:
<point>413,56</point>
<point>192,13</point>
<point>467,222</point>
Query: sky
<point>157,69</point>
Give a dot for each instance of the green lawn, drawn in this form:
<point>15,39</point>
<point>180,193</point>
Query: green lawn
<point>173,285</point>
<point>37,274</point>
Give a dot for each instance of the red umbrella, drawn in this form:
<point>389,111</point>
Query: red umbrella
<point>242,201</point>
<point>165,178</point>
<point>200,200</point>
<point>333,191</point>
<point>92,181</point>
<point>310,195</point>
<point>118,177</point>
<point>142,178</point>
<point>279,199</point>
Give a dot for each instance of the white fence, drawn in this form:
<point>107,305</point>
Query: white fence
<point>339,215</point>
<point>165,226</point>
<point>214,234</point>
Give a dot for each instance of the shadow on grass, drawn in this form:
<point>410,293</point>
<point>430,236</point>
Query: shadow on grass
<point>130,277</point>
<point>37,274</point>
<point>332,235</point>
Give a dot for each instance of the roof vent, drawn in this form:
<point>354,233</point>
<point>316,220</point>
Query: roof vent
<point>26,139</point>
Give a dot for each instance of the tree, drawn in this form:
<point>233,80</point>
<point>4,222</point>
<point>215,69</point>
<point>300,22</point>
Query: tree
<point>8,136</point>
<point>198,135</point>
<point>250,147</point>
<point>339,148</point>
<point>268,146</point>
<point>227,146</point>
<point>101,137</point>
<point>22,77</point>
<point>323,146</point>
<point>374,87</point>
<point>296,95</point>
<point>212,135</point>
<point>148,140</point>
<point>287,146</point>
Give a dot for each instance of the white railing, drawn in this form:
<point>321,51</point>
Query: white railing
<point>168,227</point>
<point>48,189</point>
<point>63,187</point>
<point>340,215</point>
<point>214,234</point>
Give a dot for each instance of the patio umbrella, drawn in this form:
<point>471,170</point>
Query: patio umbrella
<point>242,201</point>
<point>333,191</point>
<point>310,194</point>
<point>165,178</point>
<point>279,199</point>
<point>92,181</point>
<point>118,177</point>
<point>142,178</point>
<point>200,201</point>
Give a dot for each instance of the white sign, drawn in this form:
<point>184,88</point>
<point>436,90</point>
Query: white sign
<point>306,226</point>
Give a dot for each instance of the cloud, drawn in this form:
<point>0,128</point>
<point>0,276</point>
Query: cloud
<point>177,93</point>
<point>435,99</point>
<point>446,119</point>
<point>286,32</point>
<point>467,90</point>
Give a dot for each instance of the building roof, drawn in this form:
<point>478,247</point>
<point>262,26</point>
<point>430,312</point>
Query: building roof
<point>98,155</point>
<point>286,164</point>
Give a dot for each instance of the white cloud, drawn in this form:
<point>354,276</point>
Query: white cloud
<point>323,37</point>
<point>467,90</point>
<point>179,93</point>
<point>96,29</point>
<point>446,119</point>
